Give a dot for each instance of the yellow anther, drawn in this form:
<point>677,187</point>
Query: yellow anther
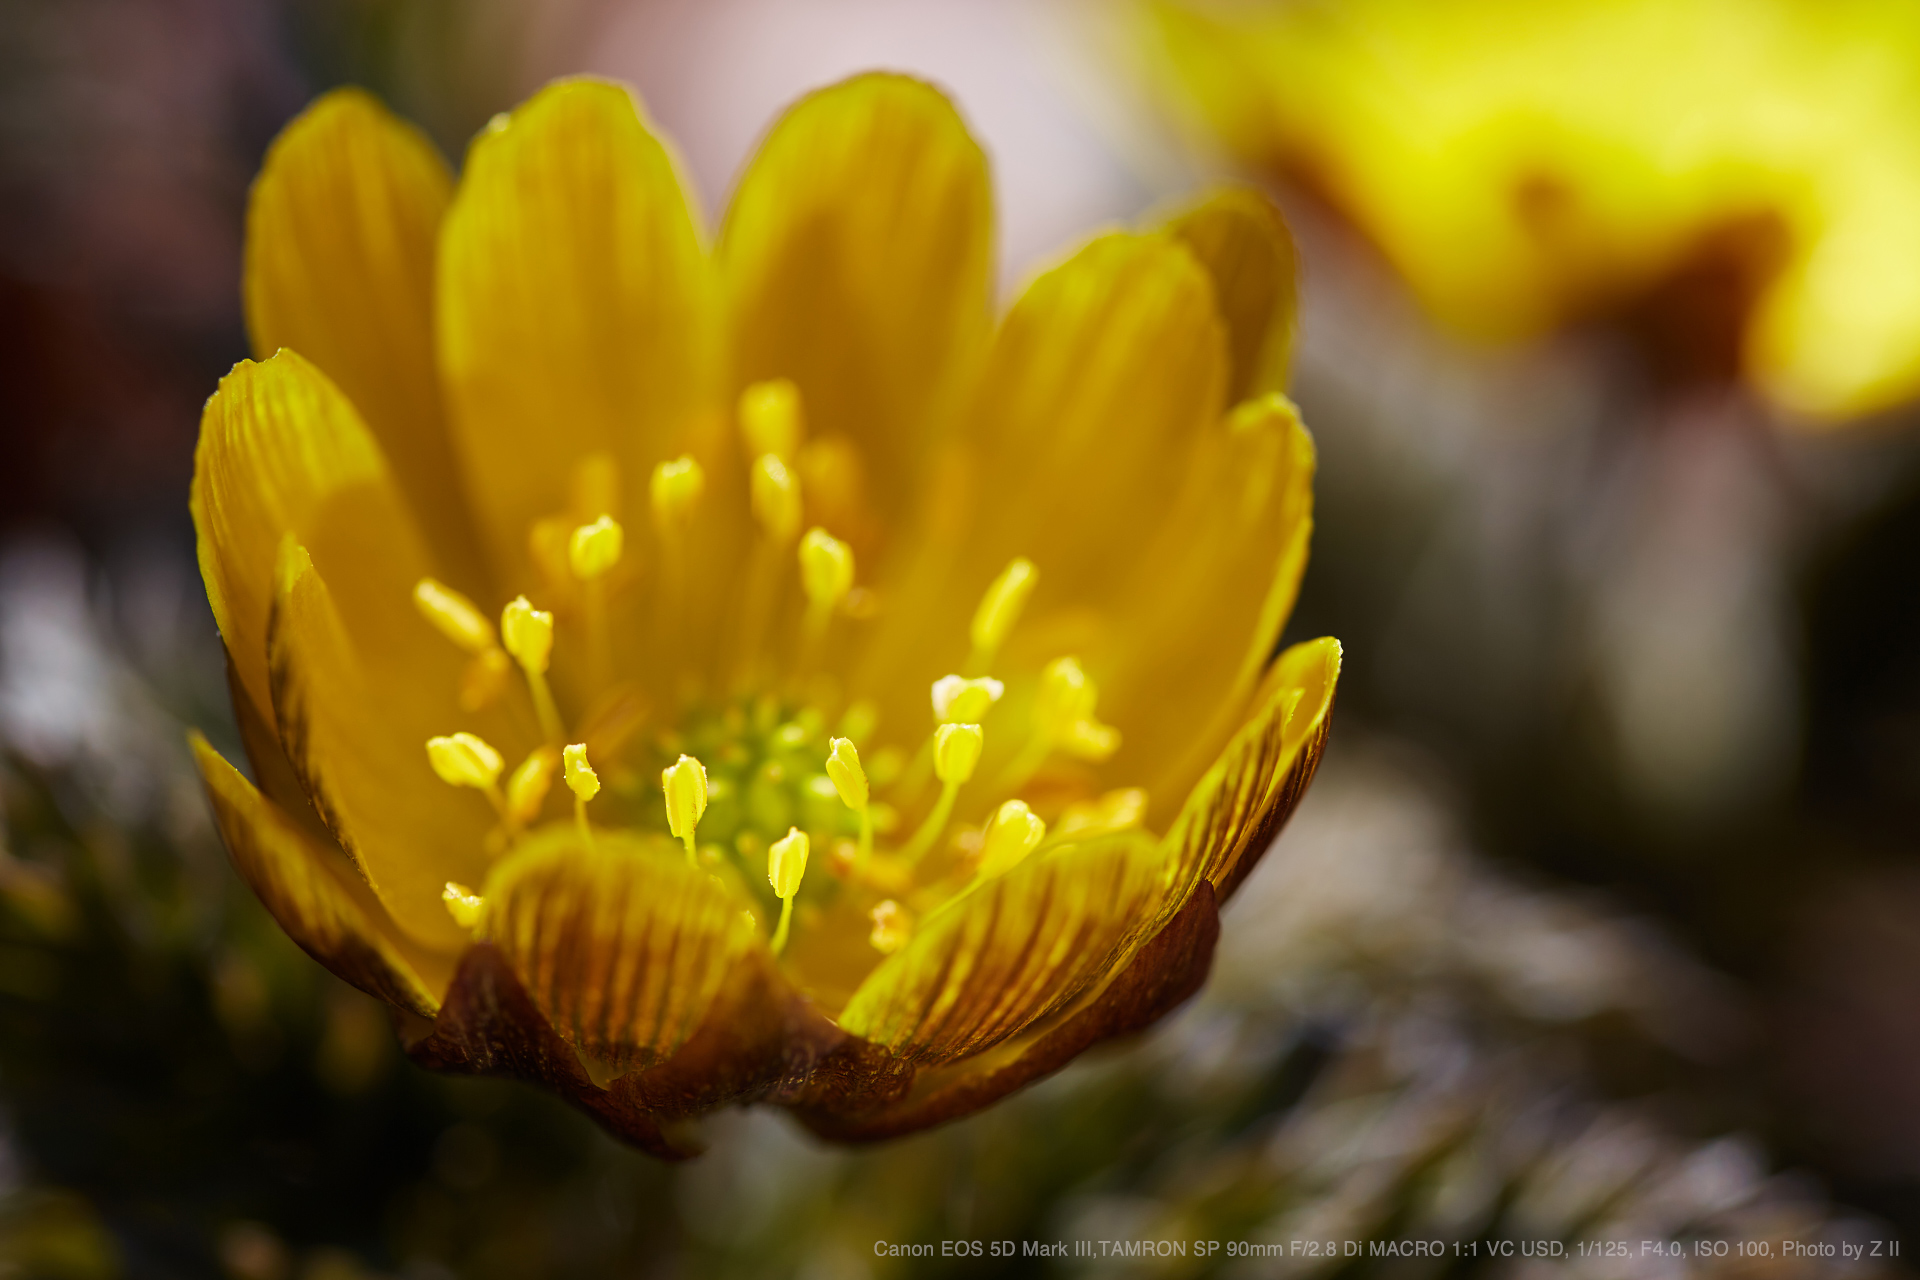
<point>1090,740</point>
<point>453,615</point>
<point>485,676</point>
<point>826,569</point>
<point>1000,608</point>
<point>463,904</point>
<point>527,786</point>
<point>957,700</point>
<point>585,785</point>
<point>581,779</point>
<point>776,498</point>
<point>892,927</point>
<point>844,771</point>
<point>676,490</point>
<point>771,418</point>
<point>1013,834</point>
<point>786,865</point>
<point>528,633</point>
<point>685,782</point>
<point>850,781</point>
<point>956,750</point>
<point>1114,811</point>
<point>464,760</point>
<point>1063,711</point>
<point>595,548</point>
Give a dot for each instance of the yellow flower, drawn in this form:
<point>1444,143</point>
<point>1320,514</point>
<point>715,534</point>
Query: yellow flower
<point>1756,162</point>
<point>1094,514</point>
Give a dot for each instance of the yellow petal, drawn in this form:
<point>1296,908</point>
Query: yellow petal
<point>1195,628</point>
<point>354,740</point>
<point>282,452</point>
<point>1012,951</point>
<point>857,255</point>
<point>314,894</point>
<point>341,229</point>
<point>575,311</point>
<point>1246,797</point>
<point>1239,238</point>
<point>624,948</point>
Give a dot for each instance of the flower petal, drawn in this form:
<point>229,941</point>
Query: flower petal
<point>623,947</point>
<point>1238,808</point>
<point>313,892</point>
<point>282,452</point>
<point>1011,952</point>
<point>1195,629</point>
<point>341,230</point>
<point>356,741</point>
<point>858,254</point>
<point>1239,238</point>
<point>575,310</point>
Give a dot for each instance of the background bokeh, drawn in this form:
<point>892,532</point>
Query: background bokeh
<point>1602,921</point>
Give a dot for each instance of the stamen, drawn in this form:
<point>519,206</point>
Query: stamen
<point>1063,719</point>
<point>786,864</point>
<point>775,494</point>
<point>956,751</point>
<point>463,904</point>
<point>528,633</point>
<point>466,760</point>
<point>1013,834</point>
<point>592,553</point>
<point>826,574</point>
<point>771,419</point>
<point>675,490</point>
<point>453,615</point>
<point>957,700</point>
<point>685,782</point>
<point>892,926</point>
<point>527,787</point>
<point>776,498</point>
<point>850,781</point>
<point>585,785</point>
<point>999,609</point>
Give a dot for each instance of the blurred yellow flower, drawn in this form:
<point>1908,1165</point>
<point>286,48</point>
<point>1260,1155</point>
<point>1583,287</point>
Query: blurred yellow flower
<point>774,874</point>
<point>1524,164</point>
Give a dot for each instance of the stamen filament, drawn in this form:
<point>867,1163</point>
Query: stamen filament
<point>786,866</point>
<point>786,922</point>
<point>592,553</point>
<point>956,751</point>
<point>527,633</point>
<point>935,823</point>
<point>675,492</point>
<point>685,784</point>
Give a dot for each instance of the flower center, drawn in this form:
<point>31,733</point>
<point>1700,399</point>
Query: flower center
<point>755,785</point>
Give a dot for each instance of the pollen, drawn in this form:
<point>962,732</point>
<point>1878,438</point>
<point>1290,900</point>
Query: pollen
<point>957,700</point>
<point>1000,609</point>
<point>675,492</point>
<point>1013,834</point>
<point>463,904</point>
<point>595,548</point>
<point>685,783</point>
<point>465,760</point>
<point>771,418</point>
<point>956,751</point>
<point>453,615</point>
<point>776,498</point>
<point>826,569</point>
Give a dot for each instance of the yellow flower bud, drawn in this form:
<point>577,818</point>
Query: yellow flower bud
<point>826,568</point>
<point>960,701</point>
<point>463,904</point>
<point>528,634</point>
<point>685,782</point>
<point>676,489</point>
<point>956,750</point>
<point>776,498</point>
<point>527,786</point>
<point>787,862</point>
<point>1013,834</point>
<point>595,548</point>
<point>1000,607</point>
<point>453,615</point>
<point>844,771</point>
<point>463,760</point>
<point>770,418</point>
<point>581,779</point>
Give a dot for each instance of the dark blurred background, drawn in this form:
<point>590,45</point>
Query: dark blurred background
<point>1599,924</point>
